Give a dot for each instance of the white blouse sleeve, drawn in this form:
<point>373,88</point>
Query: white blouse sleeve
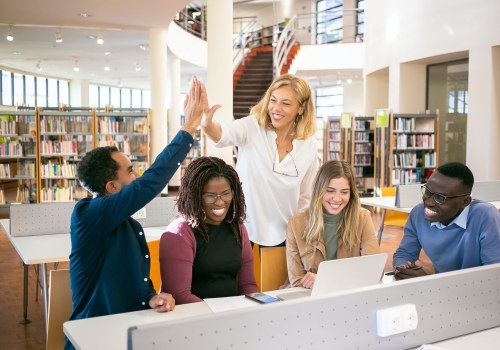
<point>306,186</point>
<point>238,133</point>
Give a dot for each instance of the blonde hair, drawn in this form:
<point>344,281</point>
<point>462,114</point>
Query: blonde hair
<point>305,124</point>
<point>347,227</point>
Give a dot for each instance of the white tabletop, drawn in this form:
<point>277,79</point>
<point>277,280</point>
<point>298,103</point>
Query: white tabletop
<point>389,203</point>
<point>44,249</point>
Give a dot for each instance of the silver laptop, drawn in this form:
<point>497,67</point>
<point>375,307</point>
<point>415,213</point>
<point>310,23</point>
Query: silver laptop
<point>343,274</point>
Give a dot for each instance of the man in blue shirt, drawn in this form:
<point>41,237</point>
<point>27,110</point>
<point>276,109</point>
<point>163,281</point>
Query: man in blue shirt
<point>455,231</point>
<point>110,260</point>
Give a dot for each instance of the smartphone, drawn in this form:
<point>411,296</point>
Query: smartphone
<point>261,298</point>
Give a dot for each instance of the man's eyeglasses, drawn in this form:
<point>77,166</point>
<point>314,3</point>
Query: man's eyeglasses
<point>291,173</point>
<point>438,197</point>
<point>211,198</point>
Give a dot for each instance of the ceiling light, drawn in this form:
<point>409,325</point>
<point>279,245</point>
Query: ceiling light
<point>106,68</point>
<point>120,84</point>
<point>339,81</point>
<point>9,36</point>
<point>107,53</point>
<point>84,15</point>
<point>144,47</point>
<point>349,80</point>
<point>58,36</point>
<point>76,68</point>
<point>38,67</point>
<point>137,67</point>
<point>100,40</point>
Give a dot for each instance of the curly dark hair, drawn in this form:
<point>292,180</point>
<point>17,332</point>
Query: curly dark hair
<point>189,201</point>
<point>97,168</point>
<point>459,171</point>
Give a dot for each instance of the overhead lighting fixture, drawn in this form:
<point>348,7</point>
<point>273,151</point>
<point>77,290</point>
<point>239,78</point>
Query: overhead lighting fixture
<point>120,84</point>
<point>58,36</point>
<point>144,47</point>
<point>76,68</point>
<point>107,53</point>
<point>349,80</point>
<point>9,36</point>
<point>106,68</point>
<point>339,81</point>
<point>137,67</point>
<point>100,40</point>
<point>38,67</point>
<point>84,15</point>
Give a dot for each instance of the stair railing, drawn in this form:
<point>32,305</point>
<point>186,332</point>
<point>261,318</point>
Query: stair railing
<point>240,42</point>
<point>282,47</point>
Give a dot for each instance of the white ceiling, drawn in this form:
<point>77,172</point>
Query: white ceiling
<point>124,26</point>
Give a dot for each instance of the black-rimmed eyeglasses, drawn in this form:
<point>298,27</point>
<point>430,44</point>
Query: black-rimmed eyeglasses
<point>438,197</point>
<point>291,173</point>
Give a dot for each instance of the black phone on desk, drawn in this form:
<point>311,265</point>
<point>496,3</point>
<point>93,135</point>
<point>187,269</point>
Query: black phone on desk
<point>261,298</point>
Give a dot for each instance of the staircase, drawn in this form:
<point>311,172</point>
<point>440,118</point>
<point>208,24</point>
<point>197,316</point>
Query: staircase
<point>251,79</point>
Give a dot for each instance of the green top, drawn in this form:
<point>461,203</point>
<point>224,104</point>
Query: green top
<point>330,235</point>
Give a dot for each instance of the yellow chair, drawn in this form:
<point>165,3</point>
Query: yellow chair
<point>154,256</point>
<point>273,268</point>
<point>256,264</point>
<point>393,218</point>
<point>59,308</point>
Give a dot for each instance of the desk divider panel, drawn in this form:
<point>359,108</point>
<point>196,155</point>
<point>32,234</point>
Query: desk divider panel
<point>40,219</point>
<point>448,305</point>
<point>159,212</point>
<point>408,196</point>
<point>488,191</point>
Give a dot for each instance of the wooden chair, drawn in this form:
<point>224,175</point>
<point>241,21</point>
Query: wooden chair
<point>393,218</point>
<point>273,268</point>
<point>59,308</point>
<point>154,256</point>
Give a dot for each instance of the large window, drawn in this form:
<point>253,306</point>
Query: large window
<point>102,96</point>
<point>448,91</point>
<point>329,101</point>
<point>329,21</point>
<point>360,27</point>
<point>29,90</point>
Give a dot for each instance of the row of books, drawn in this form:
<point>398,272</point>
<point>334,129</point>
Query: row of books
<point>362,148</point>
<point>404,124</point>
<point>333,146</point>
<point>73,124</point>
<point>361,136</point>
<point>5,170</point>
<point>26,169</point>
<point>57,194</point>
<point>8,127</point>
<point>11,149</point>
<point>334,136</point>
<point>128,125</point>
<point>405,177</point>
<point>405,160</point>
<point>58,170</point>
<point>59,147</point>
<point>362,159</point>
<point>414,141</point>
<point>129,145</point>
<point>334,125</point>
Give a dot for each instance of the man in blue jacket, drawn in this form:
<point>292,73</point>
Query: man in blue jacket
<point>110,260</point>
<point>455,231</point>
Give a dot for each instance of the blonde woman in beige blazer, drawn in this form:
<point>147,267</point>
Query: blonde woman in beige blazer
<point>333,227</point>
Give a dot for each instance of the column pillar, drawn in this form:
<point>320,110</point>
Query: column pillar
<point>174,107</point>
<point>219,67</point>
<point>158,66</point>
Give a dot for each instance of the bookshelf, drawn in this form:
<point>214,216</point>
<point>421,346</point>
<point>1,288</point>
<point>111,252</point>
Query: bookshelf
<point>198,150</point>
<point>361,150</point>
<point>40,149</point>
<point>335,140</point>
<point>407,149</point>
<point>18,156</point>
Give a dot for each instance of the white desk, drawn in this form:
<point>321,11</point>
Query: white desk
<point>46,249</point>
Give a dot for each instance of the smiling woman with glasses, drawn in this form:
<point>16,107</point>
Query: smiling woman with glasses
<point>205,252</point>
<point>277,155</point>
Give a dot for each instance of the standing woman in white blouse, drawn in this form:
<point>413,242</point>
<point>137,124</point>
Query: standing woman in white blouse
<point>277,156</point>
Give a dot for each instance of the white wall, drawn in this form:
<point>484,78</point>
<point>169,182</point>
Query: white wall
<point>329,57</point>
<point>404,35</point>
<point>353,98</point>
<point>186,46</point>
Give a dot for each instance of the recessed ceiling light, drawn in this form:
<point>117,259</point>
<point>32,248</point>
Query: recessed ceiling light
<point>58,36</point>
<point>38,67</point>
<point>84,15</point>
<point>15,52</point>
<point>107,53</point>
<point>349,80</point>
<point>100,40</point>
<point>137,67</point>
<point>9,36</point>
<point>106,68</point>
<point>144,47</point>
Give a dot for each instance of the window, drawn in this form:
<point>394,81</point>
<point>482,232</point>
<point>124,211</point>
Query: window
<point>29,84</point>
<point>329,21</point>
<point>136,98</point>
<point>64,92</point>
<point>146,99</point>
<point>125,98</point>
<point>93,95</point>
<point>329,101</point>
<point>360,28</point>
<point>6,88</point>
<point>18,89</point>
<point>52,96</point>
<point>115,97</point>
<point>103,96</point>
<point>41,92</point>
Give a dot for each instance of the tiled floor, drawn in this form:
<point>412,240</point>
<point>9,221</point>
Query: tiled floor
<point>15,336</point>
